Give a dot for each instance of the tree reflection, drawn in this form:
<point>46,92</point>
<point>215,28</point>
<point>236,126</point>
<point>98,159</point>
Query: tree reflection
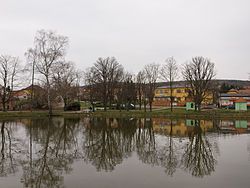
<point>108,141</point>
<point>51,145</point>
<point>168,154</point>
<point>198,157</point>
<point>8,162</point>
<point>145,143</point>
<point>57,147</point>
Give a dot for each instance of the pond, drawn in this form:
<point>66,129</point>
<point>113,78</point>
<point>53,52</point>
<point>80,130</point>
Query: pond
<point>124,152</point>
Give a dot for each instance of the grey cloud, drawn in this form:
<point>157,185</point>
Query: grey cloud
<point>136,32</point>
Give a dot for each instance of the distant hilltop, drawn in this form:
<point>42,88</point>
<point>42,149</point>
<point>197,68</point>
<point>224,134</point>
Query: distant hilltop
<point>235,83</point>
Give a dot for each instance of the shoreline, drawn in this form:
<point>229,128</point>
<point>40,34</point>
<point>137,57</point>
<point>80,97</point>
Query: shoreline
<point>164,113</point>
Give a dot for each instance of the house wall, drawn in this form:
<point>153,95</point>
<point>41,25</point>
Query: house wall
<point>190,106</point>
<point>229,101</point>
<point>180,94</point>
<point>240,106</point>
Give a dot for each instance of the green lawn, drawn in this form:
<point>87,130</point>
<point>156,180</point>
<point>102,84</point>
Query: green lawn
<point>177,113</point>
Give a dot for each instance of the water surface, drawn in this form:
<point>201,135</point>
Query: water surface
<point>99,152</point>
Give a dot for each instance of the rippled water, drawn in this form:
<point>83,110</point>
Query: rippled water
<point>99,152</point>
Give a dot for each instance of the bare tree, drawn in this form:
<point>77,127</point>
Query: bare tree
<point>65,81</point>
<point>100,75</point>
<point>91,94</point>
<point>140,84</point>
<point>126,94</point>
<point>105,74</point>
<point>169,72</point>
<point>31,60</point>
<point>49,48</point>
<point>115,77</point>
<point>151,75</point>
<point>9,68</point>
<point>198,73</point>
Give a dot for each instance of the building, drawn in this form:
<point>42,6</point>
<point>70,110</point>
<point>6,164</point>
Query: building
<point>190,106</point>
<point>241,104</point>
<point>17,98</point>
<point>227,100</point>
<point>181,95</point>
<point>163,93</point>
<point>21,99</point>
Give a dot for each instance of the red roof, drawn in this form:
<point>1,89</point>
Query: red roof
<point>241,100</point>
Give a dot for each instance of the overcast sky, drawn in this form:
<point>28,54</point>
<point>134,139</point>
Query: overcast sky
<point>136,32</point>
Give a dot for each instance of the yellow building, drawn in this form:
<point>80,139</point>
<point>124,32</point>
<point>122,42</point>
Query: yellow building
<point>180,93</point>
<point>163,93</point>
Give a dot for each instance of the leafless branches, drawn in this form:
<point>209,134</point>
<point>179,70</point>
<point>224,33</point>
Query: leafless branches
<point>199,73</point>
<point>151,76</point>
<point>9,68</point>
<point>49,48</point>
<point>169,72</point>
<point>65,81</point>
<point>140,87</point>
<point>106,74</point>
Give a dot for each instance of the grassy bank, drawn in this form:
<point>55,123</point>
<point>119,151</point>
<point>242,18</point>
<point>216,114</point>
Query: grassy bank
<point>177,113</point>
<point>28,114</point>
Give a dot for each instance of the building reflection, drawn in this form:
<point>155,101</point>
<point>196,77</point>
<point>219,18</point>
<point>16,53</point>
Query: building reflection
<point>117,139</point>
<point>181,128</point>
<point>234,126</point>
<point>45,149</point>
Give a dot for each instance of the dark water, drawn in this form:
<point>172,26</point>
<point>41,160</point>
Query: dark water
<point>138,153</point>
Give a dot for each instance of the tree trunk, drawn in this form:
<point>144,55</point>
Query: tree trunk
<point>199,107</point>
<point>150,106</point>
<point>140,97</point>
<point>32,86</point>
<point>4,104</point>
<point>48,96</point>
<point>65,103</point>
<point>140,103</point>
<point>171,97</point>
<point>105,101</point>
<point>145,105</point>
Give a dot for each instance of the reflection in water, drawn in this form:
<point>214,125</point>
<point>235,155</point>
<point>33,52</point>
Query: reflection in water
<point>198,157</point>
<point>234,127</point>
<point>168,153</point>
<point>145,143</point>
<point>9,150</point>
<point>106,143</point>
<point>45,149</point>
<point>52,148</point>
